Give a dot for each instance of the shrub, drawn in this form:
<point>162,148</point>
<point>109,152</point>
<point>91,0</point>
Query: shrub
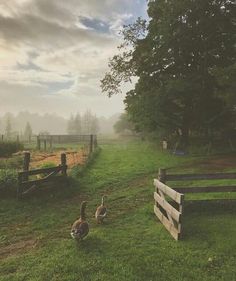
<point>7,148</point>
<point>15,162</point>
<point>8,180</point>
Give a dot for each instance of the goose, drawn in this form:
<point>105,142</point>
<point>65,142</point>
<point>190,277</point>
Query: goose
<point>101,211</point>
<point>80,227</point>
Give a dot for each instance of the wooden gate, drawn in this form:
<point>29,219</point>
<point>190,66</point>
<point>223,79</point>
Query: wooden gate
<point>26,186</point>
<point>167,213</point>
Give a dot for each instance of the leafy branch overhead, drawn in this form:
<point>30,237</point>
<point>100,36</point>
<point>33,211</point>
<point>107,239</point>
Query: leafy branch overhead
<point>122,66</point>
<point>183,60</point>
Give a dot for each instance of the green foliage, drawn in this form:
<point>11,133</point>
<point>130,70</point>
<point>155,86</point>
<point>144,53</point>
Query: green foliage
<point>8,180</point>
<point>124,125</point>
<point>15,162</point>
<point>179,63</point>
<point>8,128</point>
<point>79,170</point>
<point>8,148</point>
<point>47,165</point>
<point>28,131</point>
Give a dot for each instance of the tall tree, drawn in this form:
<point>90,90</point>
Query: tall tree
<point>70,125</point>
<point>77,124</point>
<point>87,121</point>
<point>8,127</point>
<point>94,125</point>
<point>28,132</point>
<point>176,61</point>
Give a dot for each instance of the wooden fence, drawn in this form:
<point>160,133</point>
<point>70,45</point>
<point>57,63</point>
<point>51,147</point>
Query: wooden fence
<point>169,215</point>
<point>26,186</point>
<point>44,141</point>
<point>170,210</point>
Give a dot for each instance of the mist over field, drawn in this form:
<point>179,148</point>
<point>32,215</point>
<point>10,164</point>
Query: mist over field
<point>49,122</point>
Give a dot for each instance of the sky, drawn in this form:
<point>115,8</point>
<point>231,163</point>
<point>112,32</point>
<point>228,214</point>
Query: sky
<point>53,53</point>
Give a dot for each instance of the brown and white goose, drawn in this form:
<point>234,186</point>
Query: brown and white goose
<point>80,227</point>
<point>101,211</point>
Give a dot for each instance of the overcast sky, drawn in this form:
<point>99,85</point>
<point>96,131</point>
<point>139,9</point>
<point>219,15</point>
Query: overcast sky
<point>53,53</point>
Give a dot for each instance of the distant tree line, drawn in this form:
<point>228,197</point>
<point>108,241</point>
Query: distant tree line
<point>83,124</point>
<point>184,59</point>
<point>10,134</point>
<point>25,124</point>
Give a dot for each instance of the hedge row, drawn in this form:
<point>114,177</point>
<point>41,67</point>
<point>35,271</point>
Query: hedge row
<point>7,148</point>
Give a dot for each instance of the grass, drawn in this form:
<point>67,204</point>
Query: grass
<point>132,245</point>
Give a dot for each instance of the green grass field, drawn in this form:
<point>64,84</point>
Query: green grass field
<point>132,245</point>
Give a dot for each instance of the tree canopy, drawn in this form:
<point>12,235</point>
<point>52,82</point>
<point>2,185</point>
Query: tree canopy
<point>184,59</point>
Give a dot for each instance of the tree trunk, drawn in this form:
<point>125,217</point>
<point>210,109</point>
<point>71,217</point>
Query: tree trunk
<point>185,137</point>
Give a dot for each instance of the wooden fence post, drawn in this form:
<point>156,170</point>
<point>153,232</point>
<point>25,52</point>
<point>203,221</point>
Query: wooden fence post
<point>95,141</point>
<point>91,144</point>
<point>51,143</point>
<point>162,175</point>
<point>181,210</point>
<point>26,164</point>
<point>45,144</point>
<point>19,187</point>
<point>63,164</point>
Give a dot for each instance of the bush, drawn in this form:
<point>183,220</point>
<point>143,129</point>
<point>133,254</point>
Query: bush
<point>8,180</point>
<point>15,162</point>
<point>7,148</point>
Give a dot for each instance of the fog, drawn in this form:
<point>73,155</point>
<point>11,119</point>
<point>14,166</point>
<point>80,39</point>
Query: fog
<point>51,123</point>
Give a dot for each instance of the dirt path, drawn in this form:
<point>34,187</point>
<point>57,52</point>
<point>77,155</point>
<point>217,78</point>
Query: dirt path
<point>73,158</point>
<point>18,247</point>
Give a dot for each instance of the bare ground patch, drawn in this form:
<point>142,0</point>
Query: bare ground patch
<point>18,247</point>
<point>73,158</point>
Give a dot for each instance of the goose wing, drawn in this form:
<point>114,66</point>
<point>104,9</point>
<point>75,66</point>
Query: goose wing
<point>101,212</point>
<point>79,229</point>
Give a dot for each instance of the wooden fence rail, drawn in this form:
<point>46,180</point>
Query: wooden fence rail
<point>166,213</point>
<point>45,141</point>
<point>26,186</point>
<point>166,210</point>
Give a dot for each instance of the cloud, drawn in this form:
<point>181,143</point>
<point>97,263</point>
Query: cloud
<point>59,50</point>
<point>33,98</point>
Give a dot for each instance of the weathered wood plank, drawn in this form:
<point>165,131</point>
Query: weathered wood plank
<point>40,171</point>
<point>176,196</point>
<point>63,164</point>
<point>170,227</point>
<point>162,195</point>
<point>203,189</point>
<point>48,177</point>
<point>32,188</point>
<point>219,176</point>
<point>176,215</point>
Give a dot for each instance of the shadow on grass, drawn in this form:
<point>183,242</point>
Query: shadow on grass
<point>206,219</point>
<point>91,244</point>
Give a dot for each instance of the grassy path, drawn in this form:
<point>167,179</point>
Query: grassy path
<point>132,245</point>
